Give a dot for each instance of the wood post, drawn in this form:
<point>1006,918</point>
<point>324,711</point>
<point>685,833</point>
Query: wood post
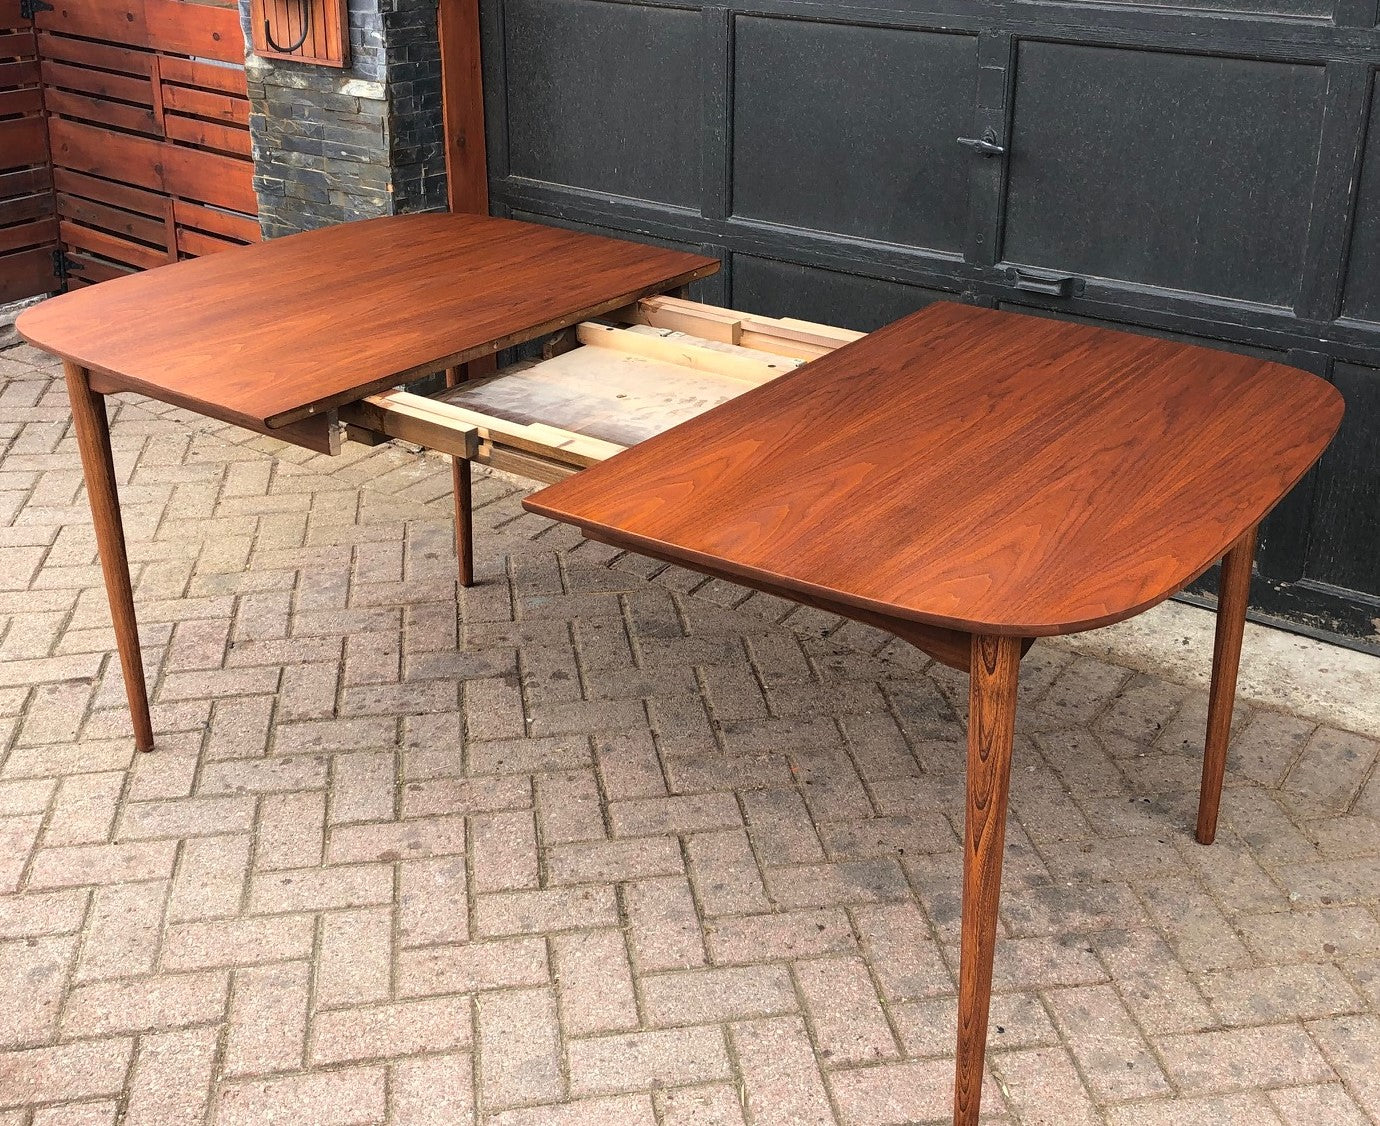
<point>992,677</point>
<point>462,107</point>
<point>1233,594</point>
<point>93,440</point>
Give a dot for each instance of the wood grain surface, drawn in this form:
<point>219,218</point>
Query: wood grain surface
<point>992,682</point>
<point>974,469</point>
<point>272,333</point>
<point>92,428</point>
<point>1233,596</point>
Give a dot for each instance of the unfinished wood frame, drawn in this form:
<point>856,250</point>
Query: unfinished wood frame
<point>658,361</point>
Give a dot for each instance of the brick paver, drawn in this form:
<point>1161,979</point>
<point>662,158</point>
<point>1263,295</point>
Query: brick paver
<point>600,842</point>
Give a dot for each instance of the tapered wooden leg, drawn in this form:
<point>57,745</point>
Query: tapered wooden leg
<point>93,440</point>
<point>993,672</point>
<point>464,499</point>
<point>1234,591</point>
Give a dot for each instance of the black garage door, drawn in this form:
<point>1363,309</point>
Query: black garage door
<point>1212,173</point>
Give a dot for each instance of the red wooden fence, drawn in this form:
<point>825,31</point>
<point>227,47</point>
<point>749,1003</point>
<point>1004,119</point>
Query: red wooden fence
<point>28,222</point>
<point>147,132</point>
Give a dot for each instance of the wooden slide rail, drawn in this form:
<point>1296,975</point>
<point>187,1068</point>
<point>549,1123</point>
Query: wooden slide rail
<point>647,367</point>
<point>666,332</point>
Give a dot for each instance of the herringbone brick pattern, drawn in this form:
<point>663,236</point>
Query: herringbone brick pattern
<point>610,844</point>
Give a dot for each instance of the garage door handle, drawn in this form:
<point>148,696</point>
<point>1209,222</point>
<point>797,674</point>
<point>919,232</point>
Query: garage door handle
<point>1051,285</point>
<point>986,145</point>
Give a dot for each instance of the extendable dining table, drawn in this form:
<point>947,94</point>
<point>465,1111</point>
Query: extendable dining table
<point>969,480</point>
<point>966,479</point>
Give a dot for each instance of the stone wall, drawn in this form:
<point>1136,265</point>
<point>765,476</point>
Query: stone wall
<point>333,145</point>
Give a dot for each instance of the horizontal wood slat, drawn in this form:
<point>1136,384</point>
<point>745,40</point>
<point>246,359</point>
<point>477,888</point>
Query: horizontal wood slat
<point>23,141</point>
<point>208,177</point>
<point>195,244</point>
<point>165,25</point>
<point>101,110</point>
<point>27,102</point>
<point>238,228</point>
<point>18,72</point>
<point>82,52</point>
<point>67,76</point>
<point>207,134</point>
<point>23,208</point>
<point>22,236</point>
<point>203,103</point>
<point>104,191</point>
<point>126,125</point>
<point>89,270</point>
<point>84,148</point>
<point>106,245</point>
<point>157,165</point>
<point>208,76</point>
<point>28,224</point>
<point>113,219</point>
<point>26,274</point>
<point>16,44</point>
<point>27,181</point>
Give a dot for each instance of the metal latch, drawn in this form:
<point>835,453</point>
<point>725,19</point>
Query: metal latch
<point>986,145</point>
<point>28,9</point>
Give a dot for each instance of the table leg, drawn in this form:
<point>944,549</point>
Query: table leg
<point>995,664</point>
<point>1234,590</point>
<point>464,498</point>
<point>93,440</point>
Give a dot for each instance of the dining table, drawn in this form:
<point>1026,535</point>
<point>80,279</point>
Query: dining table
<point>967,479</point>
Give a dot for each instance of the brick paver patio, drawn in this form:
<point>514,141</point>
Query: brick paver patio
<point>625,848</point>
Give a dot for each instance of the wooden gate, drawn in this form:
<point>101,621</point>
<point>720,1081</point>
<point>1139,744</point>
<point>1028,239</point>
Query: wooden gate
<point>28,223</point>
<point>140,112</point>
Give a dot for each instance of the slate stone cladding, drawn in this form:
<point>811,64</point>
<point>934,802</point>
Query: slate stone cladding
<point>333,145</point>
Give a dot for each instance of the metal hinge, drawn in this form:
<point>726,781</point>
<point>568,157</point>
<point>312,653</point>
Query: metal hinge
<point>30,8</point>
<point>64,267</point>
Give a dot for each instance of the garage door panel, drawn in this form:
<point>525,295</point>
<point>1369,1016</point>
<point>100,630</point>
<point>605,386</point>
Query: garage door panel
<point>1362,294</point>
<point>1345,541</point>
<point>788,289</point>
<point>1171,166</point>
<point>1186,172</point>
<point>853,129</point>
<point>1307,9</point>
<point>605,96</point>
